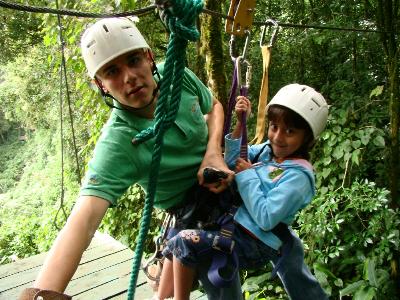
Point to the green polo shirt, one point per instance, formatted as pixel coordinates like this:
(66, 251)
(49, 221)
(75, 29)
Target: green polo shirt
(117, 163)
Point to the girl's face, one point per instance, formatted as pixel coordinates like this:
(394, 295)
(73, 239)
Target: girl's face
(284, 140)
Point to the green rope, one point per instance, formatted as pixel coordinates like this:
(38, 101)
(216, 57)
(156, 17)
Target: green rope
(181, 23)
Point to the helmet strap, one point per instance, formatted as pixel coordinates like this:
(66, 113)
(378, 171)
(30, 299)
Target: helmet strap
(106, 95)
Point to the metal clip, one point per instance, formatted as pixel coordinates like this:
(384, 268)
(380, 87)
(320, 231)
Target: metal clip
(241, 11)
(157, 256)
(232, 44)
(274, 33)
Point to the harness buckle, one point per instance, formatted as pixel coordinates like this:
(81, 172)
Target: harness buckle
(223, 243)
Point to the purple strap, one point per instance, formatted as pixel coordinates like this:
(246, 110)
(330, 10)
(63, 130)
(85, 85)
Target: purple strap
(223, 246)
(243, 144)
(231, 102)
(219, 261)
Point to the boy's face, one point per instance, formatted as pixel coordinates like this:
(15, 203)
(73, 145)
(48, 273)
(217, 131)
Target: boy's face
(284, 140)
(128, 78)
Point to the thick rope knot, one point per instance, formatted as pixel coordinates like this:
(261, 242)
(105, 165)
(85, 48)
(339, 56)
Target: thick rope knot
(177, 27)
(181, 18)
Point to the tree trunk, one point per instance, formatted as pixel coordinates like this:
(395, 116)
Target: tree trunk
(387, 16)
(212, 50)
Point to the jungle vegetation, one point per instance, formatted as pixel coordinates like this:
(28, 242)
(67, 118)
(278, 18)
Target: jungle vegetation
(351, 229)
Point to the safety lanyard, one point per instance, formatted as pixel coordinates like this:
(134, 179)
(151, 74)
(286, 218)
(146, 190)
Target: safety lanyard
(243, 91)
(263, 97)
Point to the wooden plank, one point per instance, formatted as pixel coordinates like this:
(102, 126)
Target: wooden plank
(116, 289)
(103, 273)
(90, 266)
(37, 260)
(91, 281)
(102, 253)
(92, 255)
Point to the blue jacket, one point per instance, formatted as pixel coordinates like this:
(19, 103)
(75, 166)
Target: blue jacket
(272, 192)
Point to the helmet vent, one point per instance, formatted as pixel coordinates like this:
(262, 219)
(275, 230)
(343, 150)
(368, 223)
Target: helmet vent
(303, 88)
(90, 44)
(316, 102)
(126, 27)
(105, 28)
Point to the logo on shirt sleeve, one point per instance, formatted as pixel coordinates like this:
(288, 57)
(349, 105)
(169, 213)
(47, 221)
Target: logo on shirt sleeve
(93, 180)
(275, 173)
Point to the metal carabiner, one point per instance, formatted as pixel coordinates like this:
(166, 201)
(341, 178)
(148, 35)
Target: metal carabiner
(232, 44)
(274, 33)
(241, 61)
(246, 44)
(248, 72)
(157, 256)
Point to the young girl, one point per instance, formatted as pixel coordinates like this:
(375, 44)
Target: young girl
(278, 183)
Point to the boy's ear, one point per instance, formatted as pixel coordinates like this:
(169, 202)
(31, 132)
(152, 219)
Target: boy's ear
(100, 85)
(150, 57)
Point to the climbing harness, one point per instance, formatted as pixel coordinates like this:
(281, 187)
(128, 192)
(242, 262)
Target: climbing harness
(180, 19)
(224, 245)
(263, 98)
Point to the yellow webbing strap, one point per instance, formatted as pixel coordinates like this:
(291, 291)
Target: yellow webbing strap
(262, 101)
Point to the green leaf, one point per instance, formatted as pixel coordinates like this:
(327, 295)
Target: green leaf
(338, 282)
(327, 160)
(366, 293)
(337, 129)
(369, 269)
(355, 156)
(376, 91)
(326, 172)
(356, 144)
(365, 138)
(379, 141)
(352, 288)
(338, 152)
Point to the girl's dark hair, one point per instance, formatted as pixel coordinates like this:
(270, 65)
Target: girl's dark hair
(292, 119)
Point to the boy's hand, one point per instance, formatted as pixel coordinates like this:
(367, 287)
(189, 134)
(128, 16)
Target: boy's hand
(35, 293)
(242, 105)
(216, 180)
(242, 164)
(216, 161)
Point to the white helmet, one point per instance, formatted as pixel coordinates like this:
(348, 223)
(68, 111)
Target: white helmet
(108, 39)
(305, 101)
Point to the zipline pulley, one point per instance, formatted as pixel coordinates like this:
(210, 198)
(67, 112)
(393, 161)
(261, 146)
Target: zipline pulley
(240, 17)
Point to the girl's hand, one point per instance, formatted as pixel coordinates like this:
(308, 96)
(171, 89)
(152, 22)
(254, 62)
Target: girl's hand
(242, 105)
(242, 164)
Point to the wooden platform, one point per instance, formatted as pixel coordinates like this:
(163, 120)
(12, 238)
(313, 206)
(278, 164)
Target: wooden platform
(103, 273)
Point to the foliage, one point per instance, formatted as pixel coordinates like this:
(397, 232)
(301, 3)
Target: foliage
(257, 285)
(28, 90)
(123, 221)
(328, 229)
(350, 233)
(12, 164)
(347, 150)
(18, 36)
(29, 207)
